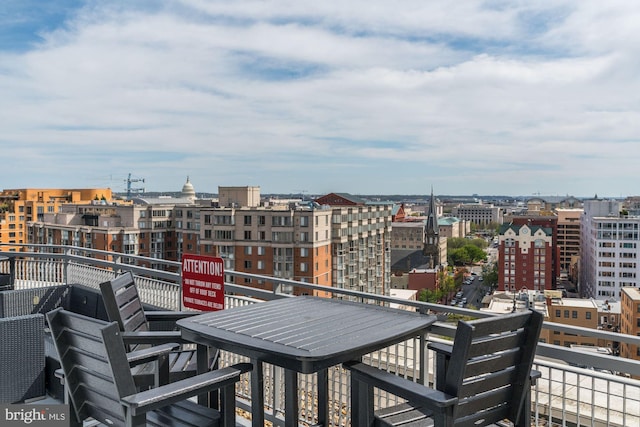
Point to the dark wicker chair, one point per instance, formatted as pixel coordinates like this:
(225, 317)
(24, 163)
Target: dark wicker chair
(22, 359)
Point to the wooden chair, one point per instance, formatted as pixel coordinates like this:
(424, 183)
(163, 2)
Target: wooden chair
(100, 385)
(484, 378)
(123, 305)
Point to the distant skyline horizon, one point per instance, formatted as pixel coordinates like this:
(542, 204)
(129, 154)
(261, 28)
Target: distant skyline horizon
(363, 96)
(424, 195)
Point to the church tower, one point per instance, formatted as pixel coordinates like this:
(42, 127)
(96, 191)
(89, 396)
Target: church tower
(431, 241)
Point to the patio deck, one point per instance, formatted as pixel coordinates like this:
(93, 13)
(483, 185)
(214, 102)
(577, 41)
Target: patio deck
(566, 394)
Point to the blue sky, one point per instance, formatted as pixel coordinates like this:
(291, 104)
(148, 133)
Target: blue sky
(493, 97)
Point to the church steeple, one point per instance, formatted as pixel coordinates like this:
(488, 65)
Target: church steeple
(431, 243)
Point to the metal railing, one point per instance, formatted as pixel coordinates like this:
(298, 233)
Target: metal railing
(605, 394)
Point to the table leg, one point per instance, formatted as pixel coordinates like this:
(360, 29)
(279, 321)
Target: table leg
(202, 360)
(257, 394)
(290, 398)
(323, 397)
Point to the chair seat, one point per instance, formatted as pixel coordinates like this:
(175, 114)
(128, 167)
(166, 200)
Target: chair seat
(185, 413)
(405, 415)
(182, 364)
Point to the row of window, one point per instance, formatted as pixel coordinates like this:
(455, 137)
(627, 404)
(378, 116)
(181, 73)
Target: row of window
(625, 255)
(624, 245)
(574, 314)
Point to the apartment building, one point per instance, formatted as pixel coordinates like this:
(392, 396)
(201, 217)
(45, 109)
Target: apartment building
(525, 258)
(630, 320)
(345, 245)
(568, 239)
(95, 225)
(361, 243)
(288, 242)
(546, 220)
(20, 206)
(608, 250)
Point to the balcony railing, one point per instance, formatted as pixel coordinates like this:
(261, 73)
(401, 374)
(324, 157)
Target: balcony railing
(607, 393)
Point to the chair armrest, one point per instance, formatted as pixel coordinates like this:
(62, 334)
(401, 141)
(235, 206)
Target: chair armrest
(440, 348)
(434, 399)
(153, 337)
(168, 316)
(155, 398)
(150, 354)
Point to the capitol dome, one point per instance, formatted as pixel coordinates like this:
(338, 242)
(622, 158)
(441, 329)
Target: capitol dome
(188, 191)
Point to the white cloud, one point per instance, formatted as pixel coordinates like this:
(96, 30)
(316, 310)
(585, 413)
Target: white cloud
(466, 95)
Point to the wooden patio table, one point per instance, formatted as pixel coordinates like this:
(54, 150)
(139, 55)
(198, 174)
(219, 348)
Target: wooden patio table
(302, 335)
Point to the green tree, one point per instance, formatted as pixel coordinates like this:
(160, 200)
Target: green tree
(490, 275)
(456, 243)
(458, 257)
(480, 243)
(475, 253)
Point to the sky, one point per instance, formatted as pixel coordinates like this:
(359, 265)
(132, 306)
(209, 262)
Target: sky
(509, 97)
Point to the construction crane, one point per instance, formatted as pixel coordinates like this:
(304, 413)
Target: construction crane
(301, 192)
(130, 190)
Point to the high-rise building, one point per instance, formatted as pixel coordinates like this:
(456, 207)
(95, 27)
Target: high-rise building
(344, 245)
(361, 243)
(547, 221)
(20, 206)
(609, 250)
(525, 258)
(568, 238)
(288, 242)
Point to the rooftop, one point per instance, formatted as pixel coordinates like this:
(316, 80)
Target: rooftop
(602, 390)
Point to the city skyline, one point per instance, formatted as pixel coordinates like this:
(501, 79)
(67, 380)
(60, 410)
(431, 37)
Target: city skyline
(495, 97)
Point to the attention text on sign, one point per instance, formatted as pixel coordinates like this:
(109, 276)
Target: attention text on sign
(202, 282)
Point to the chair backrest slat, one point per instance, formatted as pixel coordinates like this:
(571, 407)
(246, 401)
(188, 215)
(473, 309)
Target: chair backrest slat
(495, 343)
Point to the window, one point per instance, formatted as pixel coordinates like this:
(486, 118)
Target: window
(588, 315)
(304, 267)
(247, 250)
(304, 252)
(247, 220)
(247, 234)
(247, 264)
(574, 314)
(558, 313)
(261, 250)
(260, 265)
(304, 221)
(566, 314)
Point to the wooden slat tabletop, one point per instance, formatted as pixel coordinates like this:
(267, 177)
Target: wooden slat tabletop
(304, 334)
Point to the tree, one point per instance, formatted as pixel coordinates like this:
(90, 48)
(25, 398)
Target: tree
(480, 243)
(490, 275)
(458, 257)
(456, 243)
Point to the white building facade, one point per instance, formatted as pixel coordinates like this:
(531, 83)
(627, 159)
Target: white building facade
(609, 250)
